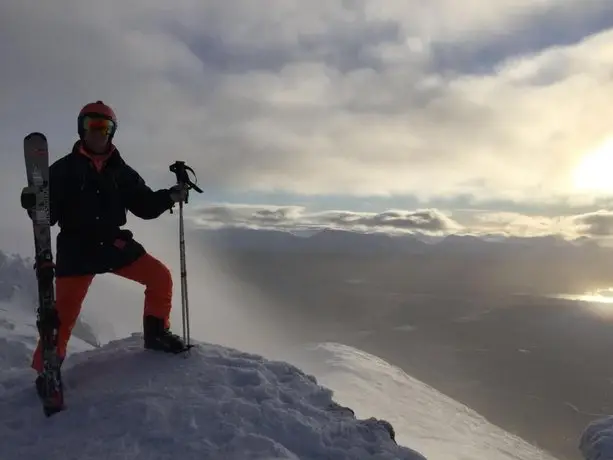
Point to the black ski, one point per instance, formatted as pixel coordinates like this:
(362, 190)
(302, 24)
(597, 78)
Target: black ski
(36, 199)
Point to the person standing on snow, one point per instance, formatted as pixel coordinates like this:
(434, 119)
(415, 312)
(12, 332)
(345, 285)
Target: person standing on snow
(91, 190)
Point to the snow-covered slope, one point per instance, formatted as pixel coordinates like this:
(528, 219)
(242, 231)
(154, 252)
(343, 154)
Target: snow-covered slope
(218, 403)
(163, 395)
(437, 426)
(127, 403)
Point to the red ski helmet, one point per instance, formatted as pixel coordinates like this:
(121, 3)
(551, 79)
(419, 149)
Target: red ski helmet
(96, 109)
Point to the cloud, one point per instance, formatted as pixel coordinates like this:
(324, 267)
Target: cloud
(349, 97)
(428, 220)
(517, 224)
(299, 218)
(596, 224)
(356, 98)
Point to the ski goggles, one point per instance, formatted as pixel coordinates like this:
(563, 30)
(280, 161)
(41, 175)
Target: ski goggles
(104, 125)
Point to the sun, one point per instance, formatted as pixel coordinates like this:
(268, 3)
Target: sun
(594, 173)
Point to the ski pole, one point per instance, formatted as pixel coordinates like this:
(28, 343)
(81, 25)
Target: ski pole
(180, 170)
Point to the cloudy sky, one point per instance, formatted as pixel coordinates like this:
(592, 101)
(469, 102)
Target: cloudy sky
(401, 114)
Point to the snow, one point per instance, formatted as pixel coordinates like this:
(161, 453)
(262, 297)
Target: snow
(596, 441)
(423, 418)
(130, 403)
(125, 402)
(18, 336)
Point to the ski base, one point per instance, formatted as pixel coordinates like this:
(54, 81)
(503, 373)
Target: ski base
(36, 199)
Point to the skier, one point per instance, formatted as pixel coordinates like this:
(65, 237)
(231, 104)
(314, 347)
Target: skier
(91, 190)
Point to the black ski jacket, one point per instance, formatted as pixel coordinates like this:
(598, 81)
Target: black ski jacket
(89, 202)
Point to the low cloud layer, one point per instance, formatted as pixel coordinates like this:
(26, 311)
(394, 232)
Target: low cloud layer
(512, 223)
(296, 218)
(597, 225)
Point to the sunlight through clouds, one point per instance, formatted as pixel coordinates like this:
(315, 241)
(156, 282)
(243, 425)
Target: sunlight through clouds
(593, 172)
(435, 101)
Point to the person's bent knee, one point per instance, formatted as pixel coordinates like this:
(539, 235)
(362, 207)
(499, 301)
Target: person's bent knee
(163, 275)
(160, 278)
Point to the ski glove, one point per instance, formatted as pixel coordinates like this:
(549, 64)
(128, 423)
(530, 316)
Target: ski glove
(28, 200)
(178, 193)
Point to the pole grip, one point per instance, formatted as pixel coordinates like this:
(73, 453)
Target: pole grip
(180, 169)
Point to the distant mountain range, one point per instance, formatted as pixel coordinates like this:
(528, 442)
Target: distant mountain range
(343, 241)
(452, 264)
(18, 288)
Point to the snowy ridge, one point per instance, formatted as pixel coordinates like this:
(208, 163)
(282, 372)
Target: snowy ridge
(218, 403)
(438, 426)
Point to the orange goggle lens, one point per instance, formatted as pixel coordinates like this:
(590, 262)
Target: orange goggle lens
(104, 125)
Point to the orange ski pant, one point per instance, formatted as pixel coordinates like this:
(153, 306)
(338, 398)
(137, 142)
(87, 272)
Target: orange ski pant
(71, 291)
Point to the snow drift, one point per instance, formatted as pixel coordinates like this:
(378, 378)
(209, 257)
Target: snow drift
(597, 440)
(129, 403)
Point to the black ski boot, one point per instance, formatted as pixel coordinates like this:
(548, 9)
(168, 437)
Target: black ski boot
(40, 381)
(51, 393)
(159, 338)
